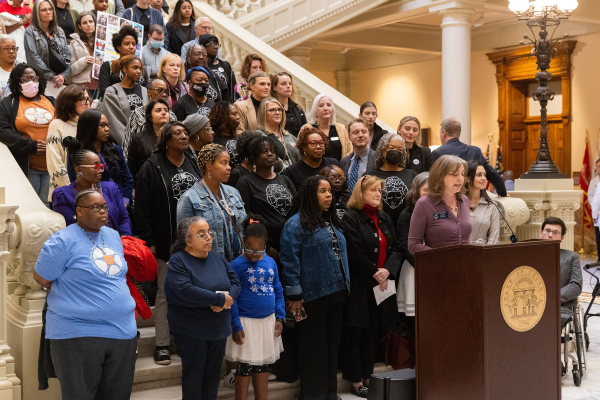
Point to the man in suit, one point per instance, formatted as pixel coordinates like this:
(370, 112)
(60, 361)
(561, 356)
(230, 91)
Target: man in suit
(451, 145)
(362, 158)
(571, 279)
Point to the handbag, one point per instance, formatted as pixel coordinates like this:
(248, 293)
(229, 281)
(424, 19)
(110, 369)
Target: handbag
(56, 62)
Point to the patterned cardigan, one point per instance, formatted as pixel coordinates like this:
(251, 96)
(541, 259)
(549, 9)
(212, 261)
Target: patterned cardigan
(56, 154)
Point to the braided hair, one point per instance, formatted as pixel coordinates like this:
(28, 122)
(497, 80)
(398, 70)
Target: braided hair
(255, 148)
(76, 152)
(81, 195)
(183, 233)
(242, 144)
(307, 204)
(254, 226)
(208, 155)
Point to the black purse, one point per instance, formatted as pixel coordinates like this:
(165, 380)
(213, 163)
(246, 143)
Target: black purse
(56, 62)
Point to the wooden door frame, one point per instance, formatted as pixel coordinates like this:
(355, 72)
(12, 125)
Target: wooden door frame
(518, 64)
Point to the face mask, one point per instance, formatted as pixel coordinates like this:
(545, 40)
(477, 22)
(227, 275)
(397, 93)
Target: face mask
(393, 157)
(200, 88)
(30, 89)
(156, 44)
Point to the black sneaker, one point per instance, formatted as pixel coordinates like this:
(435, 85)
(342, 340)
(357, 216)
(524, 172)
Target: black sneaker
(162, 356)
(362, 391)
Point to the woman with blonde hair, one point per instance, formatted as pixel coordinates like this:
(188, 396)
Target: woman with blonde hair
(172, 70)
(442, 217)
(419, 158)
(322, 116)
(282, 88)
(270, 120)
(373, 260)
(252, 63)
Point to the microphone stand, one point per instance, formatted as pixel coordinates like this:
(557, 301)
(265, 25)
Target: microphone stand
(513, 238)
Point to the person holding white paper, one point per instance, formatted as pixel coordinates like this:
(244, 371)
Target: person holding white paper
(374, 261)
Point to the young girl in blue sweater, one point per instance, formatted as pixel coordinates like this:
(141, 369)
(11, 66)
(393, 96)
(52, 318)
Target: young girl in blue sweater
(258, 315)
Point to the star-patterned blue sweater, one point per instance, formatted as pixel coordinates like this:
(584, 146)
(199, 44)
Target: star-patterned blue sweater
(261, 293)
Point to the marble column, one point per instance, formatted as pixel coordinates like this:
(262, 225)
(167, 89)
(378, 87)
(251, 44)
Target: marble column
(344, 79)
(456, 67)
(300, 55)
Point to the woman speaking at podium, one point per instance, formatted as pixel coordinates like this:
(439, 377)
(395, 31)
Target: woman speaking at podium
(442, 218)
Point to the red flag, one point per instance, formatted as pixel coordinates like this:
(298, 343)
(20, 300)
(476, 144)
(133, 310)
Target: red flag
(584, 183)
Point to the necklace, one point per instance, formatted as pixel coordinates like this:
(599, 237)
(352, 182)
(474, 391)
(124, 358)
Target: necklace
(62, 16)
(94, 243)
(198, 105)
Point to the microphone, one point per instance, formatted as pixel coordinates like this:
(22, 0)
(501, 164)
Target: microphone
(513, 238)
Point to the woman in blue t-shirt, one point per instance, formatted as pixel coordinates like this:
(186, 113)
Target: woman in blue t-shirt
(90, 320)
(258, 314)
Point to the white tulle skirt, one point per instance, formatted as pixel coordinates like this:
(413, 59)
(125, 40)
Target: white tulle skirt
(406, 290)
(260, 344)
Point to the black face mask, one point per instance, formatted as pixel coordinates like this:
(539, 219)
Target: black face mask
(200, 88)
(393, 157)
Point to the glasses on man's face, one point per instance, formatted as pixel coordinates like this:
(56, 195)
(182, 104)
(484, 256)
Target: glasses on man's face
(207, 236)
(337, 178)
(254, 252)
(25, 79)
(85, 100)
(104, 125)
(553, 233)
(315, 143)
(12, 49)
(97, 207)
(275, 110)
(97, 167)
(213, 44)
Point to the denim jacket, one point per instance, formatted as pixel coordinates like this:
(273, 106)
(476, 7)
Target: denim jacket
(38, 55)
(196, 202)
(310, 266)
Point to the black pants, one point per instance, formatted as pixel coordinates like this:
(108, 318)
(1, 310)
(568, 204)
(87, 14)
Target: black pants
(358, 352)
(597, 230)
(94, 368)
(319, 337)
(201, 361)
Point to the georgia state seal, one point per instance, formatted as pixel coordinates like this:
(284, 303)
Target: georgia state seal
(523, 298)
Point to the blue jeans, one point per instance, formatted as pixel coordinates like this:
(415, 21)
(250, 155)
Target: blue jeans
(40, 180)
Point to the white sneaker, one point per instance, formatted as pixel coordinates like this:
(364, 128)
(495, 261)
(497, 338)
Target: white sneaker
(229, 379)
(272, 376)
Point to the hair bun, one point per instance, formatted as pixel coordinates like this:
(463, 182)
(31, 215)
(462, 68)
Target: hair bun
(71, 144)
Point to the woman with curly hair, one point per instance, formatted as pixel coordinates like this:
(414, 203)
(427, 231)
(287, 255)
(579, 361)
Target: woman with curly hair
(312, 144)
(390, 159)
(125, 43)
(224, 119)
(242, 143)
(221, 205)
(316, 281)
(252, 63)
(122, 98)
(162, 181)
(26, 137)
(70, 103)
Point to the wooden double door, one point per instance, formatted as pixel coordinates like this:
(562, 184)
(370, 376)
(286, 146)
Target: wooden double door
(519, 131)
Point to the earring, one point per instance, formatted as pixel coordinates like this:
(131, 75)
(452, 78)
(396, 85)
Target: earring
(80, 174)
(198, 139)
(254, 168)
(209, 175)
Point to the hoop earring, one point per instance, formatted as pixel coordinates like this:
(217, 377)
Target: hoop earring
(209, 175)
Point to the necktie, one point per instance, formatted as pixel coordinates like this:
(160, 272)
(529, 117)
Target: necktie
(353, 177)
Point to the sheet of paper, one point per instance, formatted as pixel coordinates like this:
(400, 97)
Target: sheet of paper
(381, 296)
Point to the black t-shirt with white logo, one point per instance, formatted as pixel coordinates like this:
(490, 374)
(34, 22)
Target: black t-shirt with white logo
(394, 193)
(270, 198)
(186, 105)
(230, 145)
(134, 97)
(181, 178)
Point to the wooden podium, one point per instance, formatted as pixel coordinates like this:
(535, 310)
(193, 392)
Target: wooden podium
(465, 303)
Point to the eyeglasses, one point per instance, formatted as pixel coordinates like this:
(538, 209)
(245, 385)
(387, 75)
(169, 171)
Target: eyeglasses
(97, 167)
(337, 178)
(553, 233)
(104, 125)
(25, 79)
(255, 252)
(207, 128)
(97, 208)
(316, 143)
(85, 100)
(275, 110)
(159, 90)
(207, 236)
(10, 49)
(213, 44)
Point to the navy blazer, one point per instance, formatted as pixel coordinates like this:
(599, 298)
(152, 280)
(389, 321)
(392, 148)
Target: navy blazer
(346, 161)
(176, 37)
(455, 147)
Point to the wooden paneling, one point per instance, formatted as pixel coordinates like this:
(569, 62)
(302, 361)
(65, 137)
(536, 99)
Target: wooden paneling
(519, 135)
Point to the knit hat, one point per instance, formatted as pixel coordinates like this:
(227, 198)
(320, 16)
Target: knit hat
(207, 37)
(195, 122)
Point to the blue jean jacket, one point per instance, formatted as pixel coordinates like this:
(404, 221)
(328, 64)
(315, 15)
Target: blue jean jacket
(38, 54)
(196, 202)
(310, 266)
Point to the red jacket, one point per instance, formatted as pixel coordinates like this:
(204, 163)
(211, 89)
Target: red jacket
(141, 265)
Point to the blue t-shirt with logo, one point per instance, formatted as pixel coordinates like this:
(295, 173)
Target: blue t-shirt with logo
(89, 294)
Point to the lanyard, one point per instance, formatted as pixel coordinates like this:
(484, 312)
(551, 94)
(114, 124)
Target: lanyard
(226, 213)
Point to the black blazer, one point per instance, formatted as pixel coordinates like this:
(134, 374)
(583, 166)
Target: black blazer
(346, 161)
(363, 253)
(177, 39)
(378, 133)
(420, 159)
